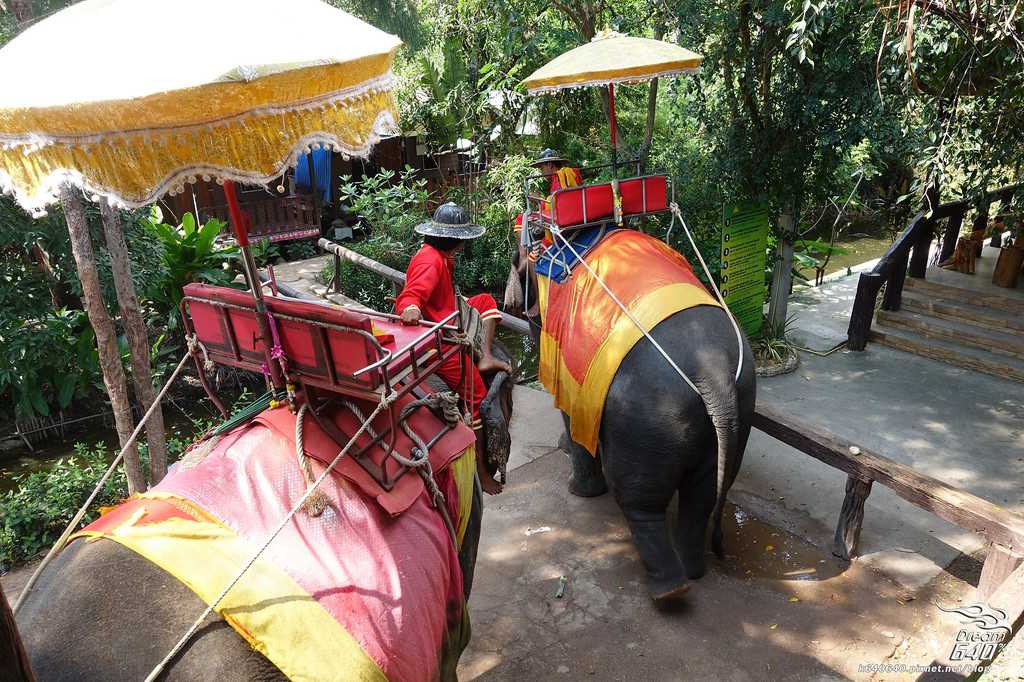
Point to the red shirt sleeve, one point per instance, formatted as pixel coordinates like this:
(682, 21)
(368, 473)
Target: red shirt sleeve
(420, 281)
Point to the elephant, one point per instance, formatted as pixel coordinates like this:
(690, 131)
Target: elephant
(102, 612)
(658, 439)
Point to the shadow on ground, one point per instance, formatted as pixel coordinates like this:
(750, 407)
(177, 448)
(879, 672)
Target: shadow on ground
(778, 608)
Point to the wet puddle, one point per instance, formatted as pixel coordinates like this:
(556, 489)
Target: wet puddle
(755, 549)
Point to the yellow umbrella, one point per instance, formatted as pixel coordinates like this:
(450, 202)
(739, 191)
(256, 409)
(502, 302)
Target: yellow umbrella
(131, 99)
(612, 58)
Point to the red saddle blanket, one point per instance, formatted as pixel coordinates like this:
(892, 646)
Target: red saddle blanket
(369, 590)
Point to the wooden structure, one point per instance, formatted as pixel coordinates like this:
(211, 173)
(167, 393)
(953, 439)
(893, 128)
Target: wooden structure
(278, 219)
(908, 257)
(281, 217)
(1003, 529)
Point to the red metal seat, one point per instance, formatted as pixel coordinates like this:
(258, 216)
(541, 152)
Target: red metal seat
(590, 204)
(336, 349)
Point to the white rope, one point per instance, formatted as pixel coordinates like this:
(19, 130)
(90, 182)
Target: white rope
(676, 213)
(63, 539)
(384, 403)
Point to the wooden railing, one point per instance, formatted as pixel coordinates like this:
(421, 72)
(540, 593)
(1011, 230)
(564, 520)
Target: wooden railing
(396, 278)
(908, 257)
(276, 219)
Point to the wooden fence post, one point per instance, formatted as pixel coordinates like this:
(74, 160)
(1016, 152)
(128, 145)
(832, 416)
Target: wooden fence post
(919, 255)
(893, 298)
(863, 310)
(1000, 562)
(851, 518)
(952, 233)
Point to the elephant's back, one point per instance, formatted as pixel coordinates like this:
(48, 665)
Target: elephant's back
(102, 612)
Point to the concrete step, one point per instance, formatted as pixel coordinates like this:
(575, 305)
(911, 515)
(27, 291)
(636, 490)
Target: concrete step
(1006, 304)
(958, 332)
(950, 353)
(917, 301)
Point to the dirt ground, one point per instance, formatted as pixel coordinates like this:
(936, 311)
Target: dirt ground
(777, 609)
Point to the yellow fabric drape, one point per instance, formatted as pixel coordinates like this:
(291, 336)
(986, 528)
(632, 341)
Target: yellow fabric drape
(266, 607)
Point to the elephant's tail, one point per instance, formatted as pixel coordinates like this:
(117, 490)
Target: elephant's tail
(725, 417)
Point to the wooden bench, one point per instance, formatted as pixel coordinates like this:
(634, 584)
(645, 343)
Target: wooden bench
(1003, 529)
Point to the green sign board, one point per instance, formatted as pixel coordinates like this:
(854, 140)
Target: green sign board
(744, 240)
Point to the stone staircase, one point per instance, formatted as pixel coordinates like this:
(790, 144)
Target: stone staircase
(975, 330)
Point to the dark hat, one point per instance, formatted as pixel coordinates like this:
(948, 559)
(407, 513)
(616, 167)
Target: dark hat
(549, 156)
(452, 221)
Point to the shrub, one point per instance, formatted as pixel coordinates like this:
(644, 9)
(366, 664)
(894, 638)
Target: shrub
(33, 515)
(35, 359)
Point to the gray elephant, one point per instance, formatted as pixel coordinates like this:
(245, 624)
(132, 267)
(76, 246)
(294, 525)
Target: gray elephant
(658, 438)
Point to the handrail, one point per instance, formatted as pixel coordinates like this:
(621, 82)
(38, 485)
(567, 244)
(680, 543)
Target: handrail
(908, 256)
(891, 270)
(339, 251)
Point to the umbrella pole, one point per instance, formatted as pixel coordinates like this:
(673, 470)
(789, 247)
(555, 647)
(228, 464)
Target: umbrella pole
(252, 279)
(613, 127)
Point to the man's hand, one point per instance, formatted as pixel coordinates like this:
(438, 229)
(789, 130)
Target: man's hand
(411, 315)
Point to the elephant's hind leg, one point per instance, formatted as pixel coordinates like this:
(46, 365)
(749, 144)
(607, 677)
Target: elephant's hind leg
(644, 501)
(696, 503)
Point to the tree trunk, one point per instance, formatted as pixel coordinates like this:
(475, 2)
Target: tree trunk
(22, 11)
(652, 105)
(106, 336)
(782, 273)
(138, 340)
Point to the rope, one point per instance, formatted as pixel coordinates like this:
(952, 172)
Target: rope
(676, 213)
(384, 403)
(448, 403)
(316, 503)
(63, 539)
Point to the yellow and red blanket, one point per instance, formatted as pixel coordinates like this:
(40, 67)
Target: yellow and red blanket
(369, 590)
(586, 335)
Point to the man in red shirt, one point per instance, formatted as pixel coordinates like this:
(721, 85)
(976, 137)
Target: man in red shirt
(553, 165)
(429, 294)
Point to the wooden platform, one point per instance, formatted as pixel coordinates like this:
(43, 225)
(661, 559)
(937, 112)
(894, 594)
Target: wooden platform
(977, 329)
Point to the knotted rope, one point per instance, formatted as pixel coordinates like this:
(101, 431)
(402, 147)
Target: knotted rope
(447, 403)
(316, 501)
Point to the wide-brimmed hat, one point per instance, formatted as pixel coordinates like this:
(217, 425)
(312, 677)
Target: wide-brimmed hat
(549, 156)
(452, 221)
